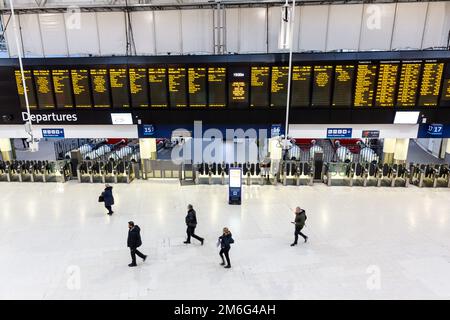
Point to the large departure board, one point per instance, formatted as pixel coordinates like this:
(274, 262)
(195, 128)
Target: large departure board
(81, 90)
(138, 87)
(343, 83)
(278, 86)
(157, 79)
(408, 84)
(321, 93)
(217, 86)
(445, 95)
(387, 84)
(177, 87)
(197, 87)
(259, 86)
(29, 83)
(44, 89)
(238, 86)
(100, 88)
(431, 83)
(62, 87)
(118, 78)
(301, 86)
(365, 85)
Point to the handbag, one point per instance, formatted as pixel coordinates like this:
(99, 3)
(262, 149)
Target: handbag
(101, 199)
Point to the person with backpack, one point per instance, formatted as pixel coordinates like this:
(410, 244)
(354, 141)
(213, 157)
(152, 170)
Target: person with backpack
(225, 241)
(107, 198)
(133, 242)
(191, 223)
(300, 218)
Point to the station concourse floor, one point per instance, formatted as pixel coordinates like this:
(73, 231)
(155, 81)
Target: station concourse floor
(56, 242)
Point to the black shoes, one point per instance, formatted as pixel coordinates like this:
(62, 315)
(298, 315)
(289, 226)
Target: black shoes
(293, 244)
(203, 240)
(132, 265)
(222, 264)
(186, 242)
(306, 239)
(144, 258)
(227, 267)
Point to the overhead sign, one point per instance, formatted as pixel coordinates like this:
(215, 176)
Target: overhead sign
(374, 134)
(275, 130)
(148, 130)
(333, 133)
(434, 130)
(53, 133)
(121, 118)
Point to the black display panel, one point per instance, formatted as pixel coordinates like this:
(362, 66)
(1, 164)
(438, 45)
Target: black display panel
(408, 84)
(301, 86)
(445, 94)
(365, 85)
(343, 84)
(177, 87)
(259, 86)
(100, 88)
(29, 83)
(157, 79)
(44, 88)
(430, 84)
(197, 87)
(387, 84)
(80, 86)
(138, 87)
(278, 86)
(63, 88)
(321, 91)
(217, 86)
(118, 78)
(238, 86)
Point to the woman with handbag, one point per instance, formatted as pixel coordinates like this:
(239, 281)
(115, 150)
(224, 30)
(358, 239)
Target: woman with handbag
(225, 241)
(107, 198)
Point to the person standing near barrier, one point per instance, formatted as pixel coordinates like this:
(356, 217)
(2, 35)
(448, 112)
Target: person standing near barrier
(225, 241)
(300, 218)
(108, 198)
(133, 242)
(191, 223)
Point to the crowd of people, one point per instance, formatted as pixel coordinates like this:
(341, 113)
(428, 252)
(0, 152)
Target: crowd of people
(224, 241)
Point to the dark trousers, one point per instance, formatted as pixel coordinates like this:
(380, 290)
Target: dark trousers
(134, 252)
(109, 208)
(297, 232)
(224, 251)
(190, 233)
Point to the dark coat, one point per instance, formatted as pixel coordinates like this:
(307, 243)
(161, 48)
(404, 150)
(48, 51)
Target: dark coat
(225, 241)
(108, 196)
(191, 218)
(300, 219)
(134, 237)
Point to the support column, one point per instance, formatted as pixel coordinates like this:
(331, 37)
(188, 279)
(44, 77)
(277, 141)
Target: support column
(389, 150)
(447, 147)
(147, 148)
(6, 149)
(401, 151)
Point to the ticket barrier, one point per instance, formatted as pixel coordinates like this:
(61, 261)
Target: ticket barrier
(358, 174)
(337, 173)
(84, 172)
(384, 175)
(400, 175)
(212, 173)
(109, 172)
(57, 171)
(4, 171)
(297, 173)
(443, 177)
(98, 172)
(126, 171)
(370, 176)
(15, 171)
(428, 175)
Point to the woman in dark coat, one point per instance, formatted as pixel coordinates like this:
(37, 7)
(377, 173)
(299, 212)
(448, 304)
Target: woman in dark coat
(108, 198)
(225, 241)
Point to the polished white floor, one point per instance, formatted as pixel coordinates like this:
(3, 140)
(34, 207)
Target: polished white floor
(56, 242)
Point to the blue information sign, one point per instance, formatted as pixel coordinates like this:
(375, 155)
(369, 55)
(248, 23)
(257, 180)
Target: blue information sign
(339, 133)
(148, 130)
(53, 133)
(275, 130)
(434, 130)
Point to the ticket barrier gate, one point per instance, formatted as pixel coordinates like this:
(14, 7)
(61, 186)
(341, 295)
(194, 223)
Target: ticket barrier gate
(35, 171)
(433, 176)
(4, 171)
(57, 171)
(212, 173)
(443, 177)
(400, 175)
(297, 173)
(370, 176)
(84, 172)
(384, 175)
(109, 172)
(126, 171)
(357, 174)
(98, 172)
(337, 173)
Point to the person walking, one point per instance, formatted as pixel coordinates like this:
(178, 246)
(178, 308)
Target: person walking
(225, 241)
(191, 223)
(133, 242)
(300, 218)
(108, 198)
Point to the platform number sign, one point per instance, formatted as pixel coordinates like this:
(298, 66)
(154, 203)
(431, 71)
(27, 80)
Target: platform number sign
(275, 130)
(148, 130)
(53, 133)
(435, 129)
(339, 133)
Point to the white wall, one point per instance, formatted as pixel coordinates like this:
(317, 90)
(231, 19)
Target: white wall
(361, 27)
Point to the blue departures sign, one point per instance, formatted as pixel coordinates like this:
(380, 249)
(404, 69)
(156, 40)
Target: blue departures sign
(53, 133)
(339, 133)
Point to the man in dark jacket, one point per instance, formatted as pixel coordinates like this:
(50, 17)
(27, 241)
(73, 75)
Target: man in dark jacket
(108, 198)
(300, 218)
(191, 223)
(133, 242)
